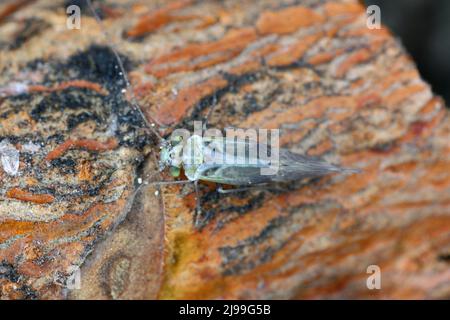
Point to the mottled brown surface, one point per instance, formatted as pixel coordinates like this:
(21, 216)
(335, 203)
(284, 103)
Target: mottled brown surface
(310, 68)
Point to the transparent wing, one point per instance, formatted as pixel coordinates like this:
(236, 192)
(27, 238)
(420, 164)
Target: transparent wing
(224, 164)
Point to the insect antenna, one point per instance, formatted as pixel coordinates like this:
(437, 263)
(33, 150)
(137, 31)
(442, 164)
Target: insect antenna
(134, 103)
(147, 178)
(209, 113)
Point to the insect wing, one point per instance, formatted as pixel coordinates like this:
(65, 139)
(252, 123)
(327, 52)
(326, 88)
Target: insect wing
(225, 164)
(231, 161)
(234, 175)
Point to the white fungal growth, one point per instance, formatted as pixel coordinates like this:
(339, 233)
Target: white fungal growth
(113, 126)
(13, 89)
(9, 156)
(31, 147)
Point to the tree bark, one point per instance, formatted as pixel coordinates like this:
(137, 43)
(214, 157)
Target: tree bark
(311, 68)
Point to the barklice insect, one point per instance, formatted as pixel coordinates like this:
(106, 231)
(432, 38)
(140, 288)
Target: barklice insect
(238, 162)
(217, 159)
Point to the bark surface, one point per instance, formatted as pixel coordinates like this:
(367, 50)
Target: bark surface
(311, 68)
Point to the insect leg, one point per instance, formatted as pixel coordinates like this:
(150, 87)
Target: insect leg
(160, 183)
(198, 205)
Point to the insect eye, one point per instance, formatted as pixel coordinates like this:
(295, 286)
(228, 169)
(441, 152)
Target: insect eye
(174, 171)
(176, 140)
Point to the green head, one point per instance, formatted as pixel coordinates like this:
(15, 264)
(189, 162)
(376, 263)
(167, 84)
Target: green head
(170, 156)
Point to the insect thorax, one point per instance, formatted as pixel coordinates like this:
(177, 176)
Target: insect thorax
(192, 156)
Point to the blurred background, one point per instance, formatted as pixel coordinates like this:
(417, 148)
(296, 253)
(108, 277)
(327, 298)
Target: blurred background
(423, 26)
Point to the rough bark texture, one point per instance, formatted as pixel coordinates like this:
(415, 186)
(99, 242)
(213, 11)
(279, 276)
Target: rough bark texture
(310, 68)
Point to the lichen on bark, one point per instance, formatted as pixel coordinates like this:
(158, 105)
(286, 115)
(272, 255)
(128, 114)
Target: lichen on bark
(334, 88)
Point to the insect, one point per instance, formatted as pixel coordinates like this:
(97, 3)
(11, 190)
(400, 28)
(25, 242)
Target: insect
(194, 156)
(217, 160)
(208, 158)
